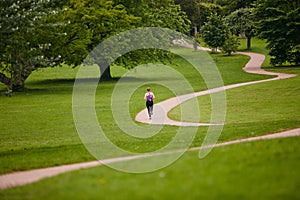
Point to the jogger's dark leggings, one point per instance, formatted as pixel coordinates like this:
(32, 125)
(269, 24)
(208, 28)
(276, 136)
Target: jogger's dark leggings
(149, 105)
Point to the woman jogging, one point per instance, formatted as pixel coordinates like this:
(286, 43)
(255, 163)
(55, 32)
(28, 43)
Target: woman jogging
(149, 97)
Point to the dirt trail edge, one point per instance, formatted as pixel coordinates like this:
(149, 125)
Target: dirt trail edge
(253, 66)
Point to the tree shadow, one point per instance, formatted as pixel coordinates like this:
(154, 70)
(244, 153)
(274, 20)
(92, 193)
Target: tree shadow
(65, 85)
(71, 81)
(285, 67)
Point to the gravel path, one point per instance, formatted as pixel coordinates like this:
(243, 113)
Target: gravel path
(253, 66)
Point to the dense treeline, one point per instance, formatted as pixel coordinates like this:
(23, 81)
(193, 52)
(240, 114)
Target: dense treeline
(277, 21)
(41, 33)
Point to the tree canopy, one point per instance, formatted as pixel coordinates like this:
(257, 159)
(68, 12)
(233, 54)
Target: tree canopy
(215, 32)
(42, 33)
(24, 39)
(233, 5)
(278, 23)
(199, 12)
(164, 14)
(242, 21)
(97, 20)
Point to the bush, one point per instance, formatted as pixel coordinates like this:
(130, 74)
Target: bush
(230, 45)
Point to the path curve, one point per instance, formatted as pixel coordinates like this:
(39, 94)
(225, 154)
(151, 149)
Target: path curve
(161, 115)
(253, 66)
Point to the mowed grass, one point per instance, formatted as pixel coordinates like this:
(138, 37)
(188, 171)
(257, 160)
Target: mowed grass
(37, 130)
(261, 169)
(37, 127)
(266, 106)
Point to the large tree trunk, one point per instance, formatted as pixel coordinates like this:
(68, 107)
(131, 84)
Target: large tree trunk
(104, 71)
(18, 85)
(18, 82)
(248, 42)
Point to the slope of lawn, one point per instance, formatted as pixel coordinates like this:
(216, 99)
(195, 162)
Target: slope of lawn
(37, 130)
(37, 127)
(273, 104)
(256, 170)
(267, 107)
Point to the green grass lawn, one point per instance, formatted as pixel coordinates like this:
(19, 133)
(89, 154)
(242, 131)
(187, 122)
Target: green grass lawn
(257, 46)
(256, 104)
(37, 130)
(37, 127)
(256, 170)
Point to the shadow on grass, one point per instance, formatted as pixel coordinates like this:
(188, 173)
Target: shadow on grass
(285, 67)
(66, 85)
(58, 82)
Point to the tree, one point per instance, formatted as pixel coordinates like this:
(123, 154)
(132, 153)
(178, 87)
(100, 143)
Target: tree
(215, 32)
(190, 7)
(164, 14)
(233, 5)
(199, 12)
(33, 35)
(230, 45)
(101, 19)
(278, 23)
(242, 21)
(21, 50)
(42, 33)
(206, 10)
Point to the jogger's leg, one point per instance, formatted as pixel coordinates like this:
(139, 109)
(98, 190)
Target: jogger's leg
(151, 110)
(149, 105)
(148, 108)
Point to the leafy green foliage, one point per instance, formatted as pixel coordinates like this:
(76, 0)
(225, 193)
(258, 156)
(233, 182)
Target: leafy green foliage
(242, 21)
(231, 44)
(279, 25)
(96, 19)
(190, 7)
(164, 14)
(23, 46)
(101, 18)
(206, 10)
(199, 11)
(42, 33)
(215, 32)
(230, 6)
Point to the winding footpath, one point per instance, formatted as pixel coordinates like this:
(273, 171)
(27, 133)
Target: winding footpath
(161, 115)
(253, 66)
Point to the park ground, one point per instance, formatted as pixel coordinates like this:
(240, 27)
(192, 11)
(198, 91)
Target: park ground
(37, 131)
